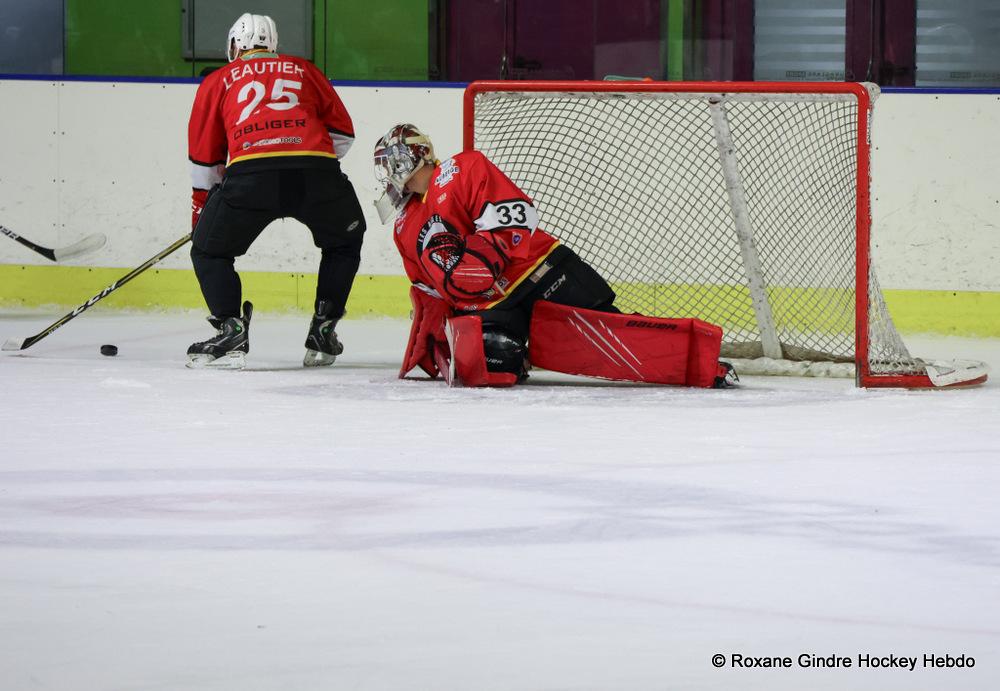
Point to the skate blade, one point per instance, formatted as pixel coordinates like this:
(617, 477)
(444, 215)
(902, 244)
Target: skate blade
(316, 358)
(235, 360)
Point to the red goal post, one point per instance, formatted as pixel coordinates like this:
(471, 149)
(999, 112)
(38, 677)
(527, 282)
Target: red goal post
(746, 204)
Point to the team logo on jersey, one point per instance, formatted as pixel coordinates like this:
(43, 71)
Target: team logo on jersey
(435, 226)
(448, 171)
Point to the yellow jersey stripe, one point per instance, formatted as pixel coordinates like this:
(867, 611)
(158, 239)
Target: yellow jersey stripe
(273, 154)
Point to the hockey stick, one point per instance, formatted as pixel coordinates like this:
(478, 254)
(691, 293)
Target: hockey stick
(22, 343)
(88, 244)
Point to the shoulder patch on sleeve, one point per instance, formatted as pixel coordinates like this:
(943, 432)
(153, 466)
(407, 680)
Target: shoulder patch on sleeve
(511, 213)
(448, 170)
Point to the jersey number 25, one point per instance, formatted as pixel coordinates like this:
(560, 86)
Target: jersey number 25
(255, 91)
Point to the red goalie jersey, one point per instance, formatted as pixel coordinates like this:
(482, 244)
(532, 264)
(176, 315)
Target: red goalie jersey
(266, 106)
(473, 237)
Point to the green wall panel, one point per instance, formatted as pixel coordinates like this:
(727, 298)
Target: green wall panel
(353, 40)
(126, 38)
(374, 40)
(138, 38)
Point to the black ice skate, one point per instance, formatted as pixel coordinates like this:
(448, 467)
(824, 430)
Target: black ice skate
(726, 377)
(228, 350)
(322, 345)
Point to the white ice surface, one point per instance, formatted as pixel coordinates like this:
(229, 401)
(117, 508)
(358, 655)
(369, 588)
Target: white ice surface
(278, 528)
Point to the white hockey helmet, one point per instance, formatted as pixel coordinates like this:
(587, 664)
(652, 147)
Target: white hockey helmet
(400, 153)
(252, 31)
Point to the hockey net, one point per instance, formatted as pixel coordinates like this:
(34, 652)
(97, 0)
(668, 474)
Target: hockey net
(743, 204)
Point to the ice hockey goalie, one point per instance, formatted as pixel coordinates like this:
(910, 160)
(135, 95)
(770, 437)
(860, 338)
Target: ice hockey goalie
(492, 291)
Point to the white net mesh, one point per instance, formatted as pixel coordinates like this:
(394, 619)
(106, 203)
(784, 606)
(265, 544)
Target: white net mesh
(636, 184)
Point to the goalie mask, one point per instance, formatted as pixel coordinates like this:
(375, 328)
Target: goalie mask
(398, 155)
(252, 31)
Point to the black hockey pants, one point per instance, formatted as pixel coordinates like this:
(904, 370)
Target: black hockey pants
(239, 209)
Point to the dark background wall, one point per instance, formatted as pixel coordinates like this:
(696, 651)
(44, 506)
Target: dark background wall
(891, 42)
(31, 40)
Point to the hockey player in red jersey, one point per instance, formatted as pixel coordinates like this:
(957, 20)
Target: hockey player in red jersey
(265, 138)
(492, 289)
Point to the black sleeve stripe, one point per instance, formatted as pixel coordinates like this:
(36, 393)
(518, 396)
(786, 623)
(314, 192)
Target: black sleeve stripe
(207, 165)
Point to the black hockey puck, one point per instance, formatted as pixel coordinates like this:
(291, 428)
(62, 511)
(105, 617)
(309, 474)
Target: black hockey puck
(109, 350)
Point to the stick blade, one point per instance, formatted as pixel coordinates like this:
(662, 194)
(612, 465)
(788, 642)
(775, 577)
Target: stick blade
(13, 344)
(88, 244)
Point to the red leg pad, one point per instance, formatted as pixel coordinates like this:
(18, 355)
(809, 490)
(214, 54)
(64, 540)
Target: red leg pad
(468, 360)
(427, 344)
(627, 347)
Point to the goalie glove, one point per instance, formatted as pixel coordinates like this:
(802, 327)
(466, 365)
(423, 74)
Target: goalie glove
(462, 268)
(485, 258)
(198, 199)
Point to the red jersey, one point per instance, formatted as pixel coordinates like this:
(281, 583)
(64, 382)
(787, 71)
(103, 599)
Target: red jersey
(467, 195)
(265, 106)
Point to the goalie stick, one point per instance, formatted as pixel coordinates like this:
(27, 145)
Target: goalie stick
(88, 244)
(22, 343)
